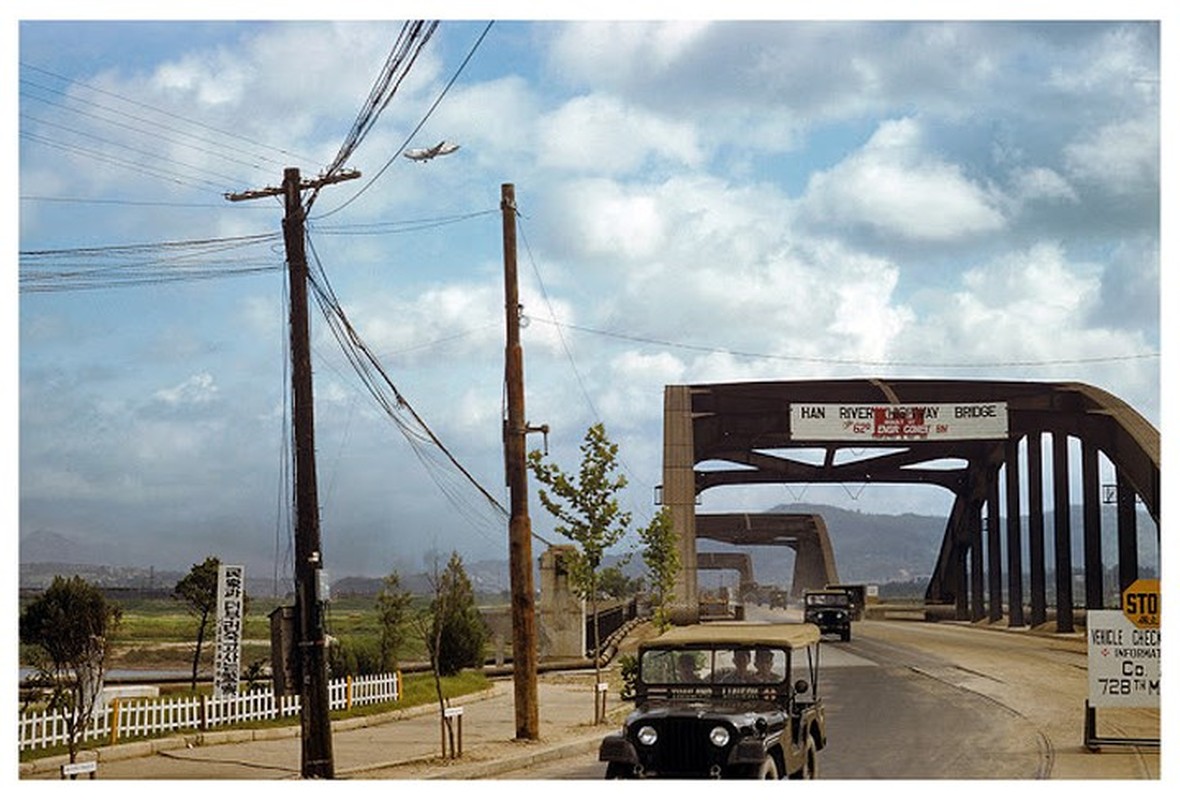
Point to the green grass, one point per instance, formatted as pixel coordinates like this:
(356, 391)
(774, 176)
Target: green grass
(417, 690)
(148, 627)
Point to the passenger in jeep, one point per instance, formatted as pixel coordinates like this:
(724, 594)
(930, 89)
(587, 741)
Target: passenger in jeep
(763, 667)
(741, 668)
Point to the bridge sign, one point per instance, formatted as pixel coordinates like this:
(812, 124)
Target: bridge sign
(1141, 603)
(859, 422)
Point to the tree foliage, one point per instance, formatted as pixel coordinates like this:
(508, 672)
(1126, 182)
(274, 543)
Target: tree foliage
(614, 583)
(67, 628)
(661, 555)
(198, 590)
(393, 610)
(459, 629)
(453, 630)
(586, 507)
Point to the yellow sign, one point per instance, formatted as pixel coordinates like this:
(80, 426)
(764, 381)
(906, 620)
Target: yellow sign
(1141, 603)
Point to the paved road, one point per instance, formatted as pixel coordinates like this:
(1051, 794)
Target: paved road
(905, 700)
(952, 702)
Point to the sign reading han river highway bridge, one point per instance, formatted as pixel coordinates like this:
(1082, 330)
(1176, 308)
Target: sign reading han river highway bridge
(884, 422)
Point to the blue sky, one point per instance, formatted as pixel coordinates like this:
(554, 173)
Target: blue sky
(700, 201)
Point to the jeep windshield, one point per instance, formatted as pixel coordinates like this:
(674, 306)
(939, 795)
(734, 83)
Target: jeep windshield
(702, 667)
(828, 599)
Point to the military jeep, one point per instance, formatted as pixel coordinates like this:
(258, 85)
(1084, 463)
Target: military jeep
(723, 700)
(830, 611)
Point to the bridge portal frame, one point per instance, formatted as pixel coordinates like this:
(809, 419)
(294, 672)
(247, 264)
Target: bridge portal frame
(748, 425)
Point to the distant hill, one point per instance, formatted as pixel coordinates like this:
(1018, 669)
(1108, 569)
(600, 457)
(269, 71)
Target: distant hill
(869, 548)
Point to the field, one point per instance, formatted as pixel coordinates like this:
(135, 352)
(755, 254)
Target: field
(161, 634)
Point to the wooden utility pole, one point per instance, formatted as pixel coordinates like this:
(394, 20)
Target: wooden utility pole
(520, 559)
(312, 650)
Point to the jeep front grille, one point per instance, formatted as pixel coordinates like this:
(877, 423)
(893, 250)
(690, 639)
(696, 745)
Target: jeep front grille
(682, 747)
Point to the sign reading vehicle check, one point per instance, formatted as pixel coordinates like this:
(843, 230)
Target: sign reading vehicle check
(886, 423)
(1123, 647)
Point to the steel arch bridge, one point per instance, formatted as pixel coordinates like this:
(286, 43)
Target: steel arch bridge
(968, 437)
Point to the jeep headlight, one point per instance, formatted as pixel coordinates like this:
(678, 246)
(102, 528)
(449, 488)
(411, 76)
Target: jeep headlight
(647, 736)
(719, 736)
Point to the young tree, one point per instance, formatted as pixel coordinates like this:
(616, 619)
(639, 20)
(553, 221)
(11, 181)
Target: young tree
(587, 510)
(393, 612)
(452, 628)
(661, 554)
(68, 626)
(461, 631)
(198, 590)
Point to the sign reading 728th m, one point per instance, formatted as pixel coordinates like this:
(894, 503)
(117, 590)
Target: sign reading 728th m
(1123, 660)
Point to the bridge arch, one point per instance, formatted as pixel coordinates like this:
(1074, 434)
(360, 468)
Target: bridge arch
(1024, 428)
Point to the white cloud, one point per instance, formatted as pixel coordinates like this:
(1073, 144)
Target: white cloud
(198, 389)
(1041, 183)
(1122, 157)
(600, 133)
(618, 51)
(892, 187)
(1033, 305)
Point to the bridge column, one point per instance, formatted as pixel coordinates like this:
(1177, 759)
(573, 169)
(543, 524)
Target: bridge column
(1063, 559)
(975, 529)
(1015, 567)
(680, 498)
(1036, 531)
(1128, 534)
(995, 570)
(815, 565)
(1092, 526)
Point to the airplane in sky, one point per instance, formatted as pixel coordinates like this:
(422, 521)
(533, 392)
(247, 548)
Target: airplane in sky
(426, 153)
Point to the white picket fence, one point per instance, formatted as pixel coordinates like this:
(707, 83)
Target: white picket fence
(123, 718)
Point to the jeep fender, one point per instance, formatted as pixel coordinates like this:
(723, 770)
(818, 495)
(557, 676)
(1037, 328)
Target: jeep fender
(616, 748)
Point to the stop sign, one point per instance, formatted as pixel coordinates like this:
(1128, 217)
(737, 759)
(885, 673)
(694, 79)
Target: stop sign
(1141, 603)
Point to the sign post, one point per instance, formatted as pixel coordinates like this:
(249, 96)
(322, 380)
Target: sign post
(227, 659)
(1123, 659)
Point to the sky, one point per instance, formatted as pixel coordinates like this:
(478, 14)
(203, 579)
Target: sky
(699, 201)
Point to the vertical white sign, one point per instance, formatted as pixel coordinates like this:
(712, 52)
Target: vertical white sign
(1124, 661)
(227, 660)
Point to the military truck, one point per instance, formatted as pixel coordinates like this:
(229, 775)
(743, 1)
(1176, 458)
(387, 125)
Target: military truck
(723, 700)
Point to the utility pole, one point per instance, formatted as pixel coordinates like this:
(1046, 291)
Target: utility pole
(312, 651)
(520, 559)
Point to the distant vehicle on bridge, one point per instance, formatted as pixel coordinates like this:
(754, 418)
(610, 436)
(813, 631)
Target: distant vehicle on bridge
(856, 595)
(830, 610)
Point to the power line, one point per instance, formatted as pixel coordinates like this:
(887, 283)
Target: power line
(847, 361)
(32, 198)
(417, 127)
(423, 441)
(413, 35)
(286, 154)
(402, 226)
(113, 266)
(98, 155)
